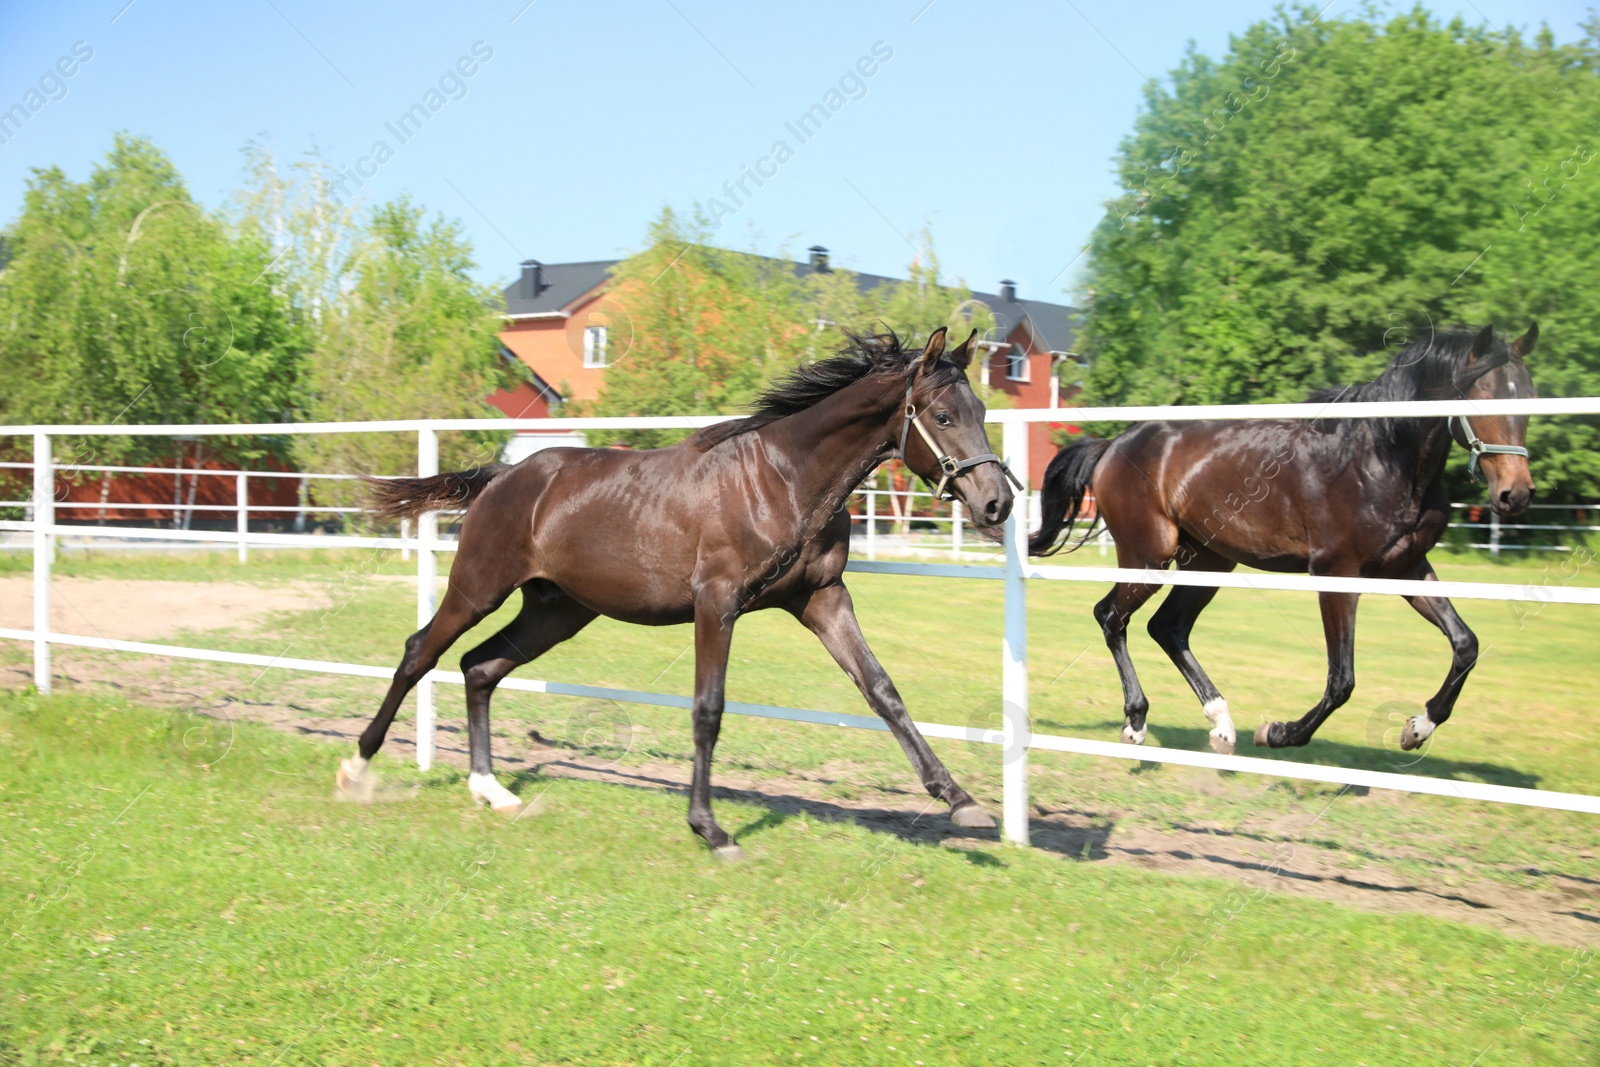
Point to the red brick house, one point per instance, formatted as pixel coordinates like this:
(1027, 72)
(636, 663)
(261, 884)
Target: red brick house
(559, 324)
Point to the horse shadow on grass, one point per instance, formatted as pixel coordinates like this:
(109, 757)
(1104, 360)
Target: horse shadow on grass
(1075, 835)
(1422, 762)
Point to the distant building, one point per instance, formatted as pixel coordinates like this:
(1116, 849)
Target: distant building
(556, 325)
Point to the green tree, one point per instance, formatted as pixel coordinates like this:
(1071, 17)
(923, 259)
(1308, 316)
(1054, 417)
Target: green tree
(410, 336)
(1298, 210)
(125, 301)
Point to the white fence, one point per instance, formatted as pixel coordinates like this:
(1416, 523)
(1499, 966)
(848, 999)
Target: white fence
(1014, 740)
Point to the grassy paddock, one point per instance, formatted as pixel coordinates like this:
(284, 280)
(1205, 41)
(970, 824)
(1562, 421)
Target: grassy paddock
(160, 911)
(1524, 719)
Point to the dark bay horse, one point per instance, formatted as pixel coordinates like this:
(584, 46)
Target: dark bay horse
(745, 515)
(1344, 497)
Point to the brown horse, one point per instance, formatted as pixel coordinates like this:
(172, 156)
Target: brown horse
(1344, 497)
(745, 515)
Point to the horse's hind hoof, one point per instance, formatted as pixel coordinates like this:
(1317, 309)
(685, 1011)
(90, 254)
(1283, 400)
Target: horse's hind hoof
(1263, 738)
(1130, 736)
(1223, 745)
(972, 817)
(729, 853)
(500, 800)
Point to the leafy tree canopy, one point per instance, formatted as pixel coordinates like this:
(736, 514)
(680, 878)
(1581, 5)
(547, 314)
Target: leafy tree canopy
(1300, 209)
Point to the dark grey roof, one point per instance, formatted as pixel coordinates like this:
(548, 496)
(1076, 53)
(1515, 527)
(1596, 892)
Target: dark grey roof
(561, 284)
(1054, 325)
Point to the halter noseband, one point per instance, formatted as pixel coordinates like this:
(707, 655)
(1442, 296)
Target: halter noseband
(1478, 447)
(953, 468)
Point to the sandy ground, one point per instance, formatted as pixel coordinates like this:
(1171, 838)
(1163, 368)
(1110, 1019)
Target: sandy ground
(148, 610)
(1558, 908)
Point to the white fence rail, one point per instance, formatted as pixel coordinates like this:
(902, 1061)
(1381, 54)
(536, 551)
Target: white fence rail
(1015, 739)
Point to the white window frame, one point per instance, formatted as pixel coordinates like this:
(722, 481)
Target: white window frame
(595, 341)
(1017, 357)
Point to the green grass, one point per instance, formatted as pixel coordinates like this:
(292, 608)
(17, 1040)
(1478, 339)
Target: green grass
(160, 910)
(1524, 719)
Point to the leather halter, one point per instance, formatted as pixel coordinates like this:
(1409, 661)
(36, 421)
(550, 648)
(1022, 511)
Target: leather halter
(1478, 447)
(953, 468)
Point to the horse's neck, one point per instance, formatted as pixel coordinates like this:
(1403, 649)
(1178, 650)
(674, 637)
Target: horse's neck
(1432, 451)
(835, 443)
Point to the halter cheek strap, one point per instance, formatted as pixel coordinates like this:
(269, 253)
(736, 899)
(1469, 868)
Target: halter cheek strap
(953, 468)
(1479, 448)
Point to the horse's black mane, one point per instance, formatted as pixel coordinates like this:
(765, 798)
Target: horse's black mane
(883, 354)
(1437, 367)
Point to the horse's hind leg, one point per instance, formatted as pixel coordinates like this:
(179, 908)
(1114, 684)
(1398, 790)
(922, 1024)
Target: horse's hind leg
(457, 614)
(1144, 538)
(1463, 657)
(1171, 625)
(538, 627)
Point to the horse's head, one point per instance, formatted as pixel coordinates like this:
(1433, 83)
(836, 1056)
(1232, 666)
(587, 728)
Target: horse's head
(1498, 443)
(942, 438)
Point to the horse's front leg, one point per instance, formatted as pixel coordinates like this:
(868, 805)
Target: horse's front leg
(1339, 628)
(829, 613)
(1463, 657)
(713, 636)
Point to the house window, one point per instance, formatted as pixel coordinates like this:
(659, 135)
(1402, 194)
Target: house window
(594, 346)
(1017, 364)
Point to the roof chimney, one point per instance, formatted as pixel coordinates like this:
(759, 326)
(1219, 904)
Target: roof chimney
(1008, 290)
(532, 279)
(819, 259)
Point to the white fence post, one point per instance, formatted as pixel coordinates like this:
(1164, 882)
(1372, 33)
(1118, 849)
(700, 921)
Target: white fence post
(1014, 653)
(242, 496)
(427, 569)
(1494, 532)
(44, 518)
(955, 530)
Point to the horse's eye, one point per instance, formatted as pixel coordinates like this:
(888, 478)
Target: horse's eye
(942, 419)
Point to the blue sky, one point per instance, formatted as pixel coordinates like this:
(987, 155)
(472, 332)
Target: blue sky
(993, 125)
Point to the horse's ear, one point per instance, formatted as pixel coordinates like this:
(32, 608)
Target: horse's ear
(1482, 343)
(961, 356)
(1524, 344)
(935, 348)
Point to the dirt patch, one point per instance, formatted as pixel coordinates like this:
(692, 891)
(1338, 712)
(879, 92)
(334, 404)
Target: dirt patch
(1562, 910)
(144, 610)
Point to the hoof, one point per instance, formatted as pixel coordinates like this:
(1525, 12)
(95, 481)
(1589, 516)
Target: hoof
(1263, 736)
(729, 853)
(500, 800)
(972, 817)
(352, 782)
(1415, 733)
(1130, 736)
(1223, 745)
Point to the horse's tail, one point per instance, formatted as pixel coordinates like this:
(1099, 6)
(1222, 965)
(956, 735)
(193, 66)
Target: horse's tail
(1066, 479)
(406, 498)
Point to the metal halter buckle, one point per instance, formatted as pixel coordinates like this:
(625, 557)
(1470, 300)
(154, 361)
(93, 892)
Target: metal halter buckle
(1477, 448)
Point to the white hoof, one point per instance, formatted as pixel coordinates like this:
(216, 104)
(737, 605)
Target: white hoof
(486, 790)
(1417, 729)
(1223, 736)
(352, 781)
(729, 853)
(1130, 736)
